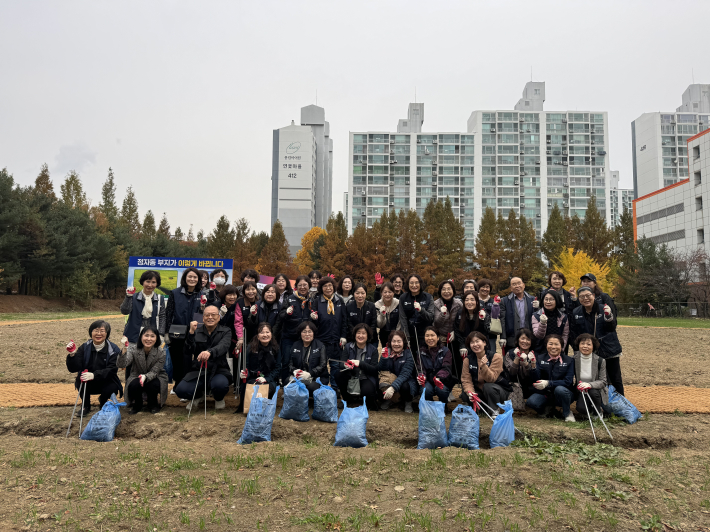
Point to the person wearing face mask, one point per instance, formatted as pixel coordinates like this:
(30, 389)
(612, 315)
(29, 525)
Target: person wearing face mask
(444, 311)
(397, 359)
(246, 276)
(435, 373)
(148, 375)
(590, 376)
(387, 313)
(414, 313)
(488, 302)
(95, 365)
(345, 288)
(359, 376)
(483, 374)
(557, 281)
(145, 308)
(358, 310)
(295, 310)
(520, 362)
(218, 279)
(246, 308)
(229, 296)
(328, 313)
(184, 302)
(206, 349)
(283, 285)
(600, 322)
(397, 281)
(262, 366)
(553, 378)
(308, 359)
(515, 312)
(550, 319)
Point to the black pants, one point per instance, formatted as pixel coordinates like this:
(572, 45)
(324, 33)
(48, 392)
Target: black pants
(367, 389)
(103, 389)
(613, 374)
(177, 348)
(583, 407)
(493, 394)
(334, 352)
(409, 390)
(150, 388)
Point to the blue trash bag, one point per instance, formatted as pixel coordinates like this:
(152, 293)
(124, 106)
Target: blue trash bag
(463, 430)
(295, 402)
(325, 403)
(503, 430)
(352, 426)
(103, 425)
(622, 407)
(260, 418)
(432, 425)
(168, 367)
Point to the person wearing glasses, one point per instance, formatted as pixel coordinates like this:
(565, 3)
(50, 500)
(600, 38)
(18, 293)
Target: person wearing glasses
(487, 302)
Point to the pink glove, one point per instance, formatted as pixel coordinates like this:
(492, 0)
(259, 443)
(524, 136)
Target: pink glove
(475, 400)
(438, 383)
(349, 364)
(253, 310)
(203, 300)
(213, 286)
(331, 276)
(378, 279)
(314, 315)
(289, 310)
(141, 378)
(607, 311)
(385, 353)
(71, 347)
(421, 379)
(451, 337)
(481, 314)
(130, 290)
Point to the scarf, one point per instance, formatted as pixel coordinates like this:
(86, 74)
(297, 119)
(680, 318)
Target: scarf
(555, 359)
(302, 299)
(148, 308)
(100, 346)
(331, 307)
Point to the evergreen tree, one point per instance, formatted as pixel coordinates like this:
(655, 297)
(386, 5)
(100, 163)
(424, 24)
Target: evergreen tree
(445, 239)
(190, 235)
(488, 248)
(164, 227)
(243, 253)
(624, 244)
(555, 239)
(333, 253)
(73, 194)
(595, 238)
(220, 242)
(258, 241)
(108, 198)
(148, 231)
(129, 213)
(409, 242)
(276, 257)
(574, 231)
(178, 234)
(43, 184)
(314, 254)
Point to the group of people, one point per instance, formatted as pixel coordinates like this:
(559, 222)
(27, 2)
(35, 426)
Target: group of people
(555, 346)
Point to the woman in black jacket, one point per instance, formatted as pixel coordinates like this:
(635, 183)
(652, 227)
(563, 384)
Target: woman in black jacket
(397, 359)
(229, 295)
(358, 310)
(262, 366)
(95, 364)
(414, 315)
(295, 310)
(267, 310)
(471, 319)
(346, 287)
(283, 285)
(387, 313)
(246, 307)
(308, 359)
(359, 376)
(520, 362)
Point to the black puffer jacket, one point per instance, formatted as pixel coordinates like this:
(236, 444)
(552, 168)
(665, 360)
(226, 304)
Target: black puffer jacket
(312, 359)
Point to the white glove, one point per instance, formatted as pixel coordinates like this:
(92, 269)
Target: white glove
(260, 380)
(444, 310)
(417, 306)
(535, 303)
(482, 314)
(314, 315)
(342, 342)
(296, 372)
(141, 378)
(389, 392)
(304, 376)
(502, 343)
(463, 352)
(524, 357)
(289, 310)
(253, 310)
(541, 385)
(87, 376)
(223, 310)
(543, 319)
(130, 291)
(451, 337)
(243, 374)
(383, 311)
(124, 341)
(607, 311)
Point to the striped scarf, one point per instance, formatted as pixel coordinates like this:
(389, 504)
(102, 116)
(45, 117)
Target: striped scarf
(302, 298)
(331, 307)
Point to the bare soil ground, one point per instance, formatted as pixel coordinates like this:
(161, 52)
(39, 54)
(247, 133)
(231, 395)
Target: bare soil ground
(13, 304)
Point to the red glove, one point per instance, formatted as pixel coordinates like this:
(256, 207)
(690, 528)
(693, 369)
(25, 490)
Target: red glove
(378, 279)
(384, 311)
(71, 347)
(130, 290)
(385, 353)
(349, 365)
(203, 300)
(213, 286)
(421, 379)
(475, 401)
(583, 387)
(481, 314)
(438, 383)
(331, 276)
(289, 310)
(451, 337)
(496, 300)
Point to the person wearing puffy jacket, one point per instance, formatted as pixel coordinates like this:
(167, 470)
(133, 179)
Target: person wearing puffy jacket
(396, 358)
(489, 300)
(550, 319)
(295, 310)
(414, 314)
(444, 312)
(360, 364)
(358, 310)
(308, 359)
(520, 361)
(554, 379)
(387, 313)
(435, 374)
(328, 313)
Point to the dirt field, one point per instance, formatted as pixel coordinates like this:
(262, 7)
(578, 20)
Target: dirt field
(165, 473)
(15, 303)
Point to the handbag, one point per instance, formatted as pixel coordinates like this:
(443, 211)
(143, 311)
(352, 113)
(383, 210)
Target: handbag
(517, 398)
(354, 386)
(496, 327)
(177, 332)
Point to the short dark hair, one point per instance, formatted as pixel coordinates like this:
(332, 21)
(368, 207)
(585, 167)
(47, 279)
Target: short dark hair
(306, 325)
(416, 276)
(100, 324)
(315, 273)
(248, 284)
(288, 290)
(485, 282)
(303, 278)
(558, 274)
(219, 270)
(559, 305)
(249, 273)
(433, 329)
(228, 289)
(339, 289)
(367, 329)
(183, 279)
(450, 283)
(149, 274)
(401, 335)
(586, 336)
(524, 332)
(480, 336)
(359, 285)
(469, 281)
(553, 337)
(324, 281)
(254, 344)
(388, 285)
(152, 329)
(396, 276)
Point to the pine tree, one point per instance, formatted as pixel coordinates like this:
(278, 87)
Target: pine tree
(303, 258)
(314, 254)
(73, 194)
(129, 213)
(445, 238)
(43, 184)
(333, 254)
(488, 254)
(276, 257)
(190, 235)
(148, 231)
(220, 242)
(108, 198)
(624, 244)
(243, 253)
(164, 227)
(178, 235)
(595, 239)
(258, 241)
(574, 231)
(409, 242)
(555, 239)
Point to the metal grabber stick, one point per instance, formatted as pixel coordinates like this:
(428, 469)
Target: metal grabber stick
(600, 417)
(489, 417)
(586, 406)
(83, 405)
(192, 403)
(198, 381)
(78, 393)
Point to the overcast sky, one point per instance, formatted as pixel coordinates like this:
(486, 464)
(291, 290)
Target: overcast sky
(181, 98)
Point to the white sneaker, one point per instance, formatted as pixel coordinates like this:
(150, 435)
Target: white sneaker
(570, 418)
(172, 392)
(452, 397)
(408, 407)
(196, 402)
(219, 405)
(183, 400)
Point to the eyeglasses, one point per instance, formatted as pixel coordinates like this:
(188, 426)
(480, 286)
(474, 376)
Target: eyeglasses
(586, 296)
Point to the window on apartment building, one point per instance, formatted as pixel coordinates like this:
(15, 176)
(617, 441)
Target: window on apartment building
(696, 152)
(699, 203)
(527, 103)
(537, 92)
(698, 179)
(701, 236)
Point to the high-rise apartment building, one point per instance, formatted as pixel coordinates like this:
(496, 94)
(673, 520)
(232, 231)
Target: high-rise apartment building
(619, 199)
(660, 154)
(302, 175)
(525, 159)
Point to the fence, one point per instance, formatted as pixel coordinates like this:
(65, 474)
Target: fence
(690, 310)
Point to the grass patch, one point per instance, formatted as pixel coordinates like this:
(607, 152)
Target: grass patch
(683, 323)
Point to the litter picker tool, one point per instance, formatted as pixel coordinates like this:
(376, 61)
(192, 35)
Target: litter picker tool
(192, 403)
(489, 417)
(586, 406)
(83, 406)
(599, 416)
(78, 393)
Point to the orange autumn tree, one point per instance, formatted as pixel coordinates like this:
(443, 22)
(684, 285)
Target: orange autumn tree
(303, 260)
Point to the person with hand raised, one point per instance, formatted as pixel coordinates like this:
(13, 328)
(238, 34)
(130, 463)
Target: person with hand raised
(491, 304)
(145, 308)
(359, 376)
(229, 296)
(387, 310)
(147, 360)
(295, 310)
(435, 373)
(397, 280)
(245, 313)
(550, 319)
(483, 374)
(95, 364)
(520, 361)
(308, 359)
(396, 358)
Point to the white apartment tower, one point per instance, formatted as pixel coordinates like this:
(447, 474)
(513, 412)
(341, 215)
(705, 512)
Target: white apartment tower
(619, 199)
(660, 154)
(302, 175)
(525, 159)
